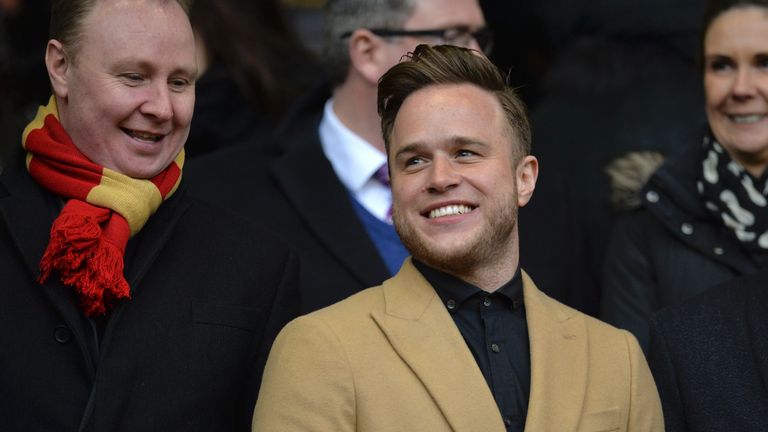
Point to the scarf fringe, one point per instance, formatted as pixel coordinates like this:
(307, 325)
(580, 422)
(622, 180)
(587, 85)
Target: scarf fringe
(85, 259)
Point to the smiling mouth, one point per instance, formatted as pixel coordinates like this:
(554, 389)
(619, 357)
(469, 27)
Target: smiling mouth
(450, 210)
(143, 136)
(746, 119)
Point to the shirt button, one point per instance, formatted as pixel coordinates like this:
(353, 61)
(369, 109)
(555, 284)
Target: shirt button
(652, 196)
(495, 348)
(719, 251)
(515, 304)
(507, 421)
(451, 304)
(486, 302)
(686, 228)
(62, 334)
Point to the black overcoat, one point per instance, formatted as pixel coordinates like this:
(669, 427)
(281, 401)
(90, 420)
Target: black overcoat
(209, 292)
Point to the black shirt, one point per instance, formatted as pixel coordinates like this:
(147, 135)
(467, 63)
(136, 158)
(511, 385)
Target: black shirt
(494, 328)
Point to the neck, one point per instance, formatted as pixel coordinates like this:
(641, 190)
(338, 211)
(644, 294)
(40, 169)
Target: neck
(354, 103)
(491, 270)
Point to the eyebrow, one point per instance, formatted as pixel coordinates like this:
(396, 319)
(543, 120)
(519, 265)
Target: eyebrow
(454, 140)
(130, 62)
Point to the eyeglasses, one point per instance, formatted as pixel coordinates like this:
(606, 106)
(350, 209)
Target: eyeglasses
(459, 36)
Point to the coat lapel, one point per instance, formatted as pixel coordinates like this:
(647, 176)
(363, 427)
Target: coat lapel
(424, 335)
(306, 177)
(558, 362)
(28, 212)
(153, 237)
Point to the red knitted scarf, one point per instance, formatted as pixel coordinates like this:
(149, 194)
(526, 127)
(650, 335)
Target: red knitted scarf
(103, 210)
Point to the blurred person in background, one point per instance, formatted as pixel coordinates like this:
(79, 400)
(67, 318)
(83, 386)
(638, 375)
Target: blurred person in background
(704, 213)
(252, 69)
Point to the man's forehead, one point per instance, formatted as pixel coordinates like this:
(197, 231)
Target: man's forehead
(449, 114)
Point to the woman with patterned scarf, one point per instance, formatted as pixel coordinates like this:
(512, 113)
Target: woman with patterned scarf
(704, 214)
(124, 304)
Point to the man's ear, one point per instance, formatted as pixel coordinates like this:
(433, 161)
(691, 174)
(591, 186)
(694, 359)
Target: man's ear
(368, 55)
(527, 173)
(58, 63)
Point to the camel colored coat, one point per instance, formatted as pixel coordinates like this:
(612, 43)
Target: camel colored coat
(391, 359)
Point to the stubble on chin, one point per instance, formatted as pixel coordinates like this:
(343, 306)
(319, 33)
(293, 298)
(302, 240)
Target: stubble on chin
(466, 259)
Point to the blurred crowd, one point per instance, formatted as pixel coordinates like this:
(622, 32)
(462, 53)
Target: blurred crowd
(645, 116)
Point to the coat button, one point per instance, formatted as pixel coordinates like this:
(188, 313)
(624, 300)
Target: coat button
(62, 334)
(686, 228)
(652, 196)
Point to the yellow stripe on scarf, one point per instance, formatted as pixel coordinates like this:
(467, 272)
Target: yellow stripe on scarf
(39, 120)
(135, 199)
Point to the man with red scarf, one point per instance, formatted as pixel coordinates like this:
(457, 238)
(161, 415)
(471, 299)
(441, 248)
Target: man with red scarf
(124, 304)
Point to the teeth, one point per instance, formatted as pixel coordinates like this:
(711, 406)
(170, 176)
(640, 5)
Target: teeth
(754, 118)
(449, 211)
(144, 136)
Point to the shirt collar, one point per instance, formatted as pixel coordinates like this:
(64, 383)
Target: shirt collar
(353, 159)
(454, 291)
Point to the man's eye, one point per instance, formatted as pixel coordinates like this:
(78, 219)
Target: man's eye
(465, 153)
(178, 84)
(414, 161)
(132, 79)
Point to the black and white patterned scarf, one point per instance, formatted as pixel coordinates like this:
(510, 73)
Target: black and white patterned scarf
(734, 196)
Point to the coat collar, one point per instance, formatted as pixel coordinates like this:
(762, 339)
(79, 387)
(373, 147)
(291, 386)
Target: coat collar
(423, 334)
(559, 361)
(676, 203)
(307, 179)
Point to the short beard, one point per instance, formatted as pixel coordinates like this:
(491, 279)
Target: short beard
(478, 254)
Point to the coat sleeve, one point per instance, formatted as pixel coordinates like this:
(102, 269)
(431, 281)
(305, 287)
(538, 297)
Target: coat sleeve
(645, 413)
(629, 286)
(666, 379)
(308, 384)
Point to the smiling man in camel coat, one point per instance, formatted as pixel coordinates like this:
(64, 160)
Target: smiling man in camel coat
(460, 339)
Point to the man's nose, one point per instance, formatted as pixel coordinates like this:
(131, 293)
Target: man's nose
(443, 175)
(158, 103)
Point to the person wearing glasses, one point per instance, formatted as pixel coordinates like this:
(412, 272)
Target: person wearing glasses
(326, 191)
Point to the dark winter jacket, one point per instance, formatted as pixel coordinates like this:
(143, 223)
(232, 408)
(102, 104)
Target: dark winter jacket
(669, 250)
